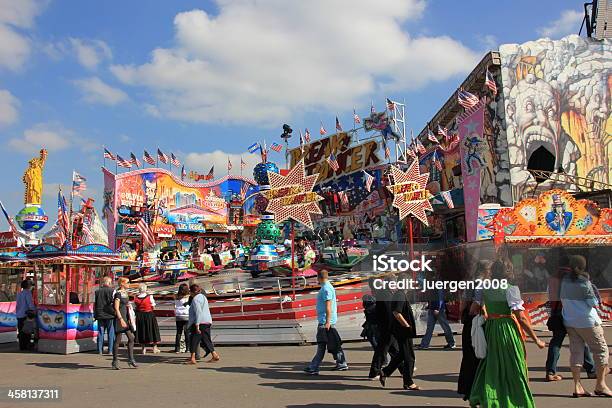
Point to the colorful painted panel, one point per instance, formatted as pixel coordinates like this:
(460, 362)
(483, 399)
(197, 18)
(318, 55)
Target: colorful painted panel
(557, 104)
(555, 213)
(8, 319)
(66, 323)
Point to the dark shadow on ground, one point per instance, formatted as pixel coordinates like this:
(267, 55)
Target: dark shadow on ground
(68, 366)
(368, 406)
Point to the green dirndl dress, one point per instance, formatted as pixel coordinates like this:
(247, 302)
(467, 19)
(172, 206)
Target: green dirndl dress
(502, 380)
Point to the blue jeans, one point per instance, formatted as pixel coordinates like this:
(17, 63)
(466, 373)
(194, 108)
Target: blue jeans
(554, 350)
(107, 325)
(431, 324)
(318, 358)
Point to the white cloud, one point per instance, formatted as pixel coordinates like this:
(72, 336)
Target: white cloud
(90, 53)
(567, 23)
(94, 90)
(9, 112)
(260, 62)
(201, 162)
(15, 18)
(50, 136)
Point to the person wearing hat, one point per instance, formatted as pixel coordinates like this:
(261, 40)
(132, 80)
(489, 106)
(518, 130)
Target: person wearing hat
(558, 219)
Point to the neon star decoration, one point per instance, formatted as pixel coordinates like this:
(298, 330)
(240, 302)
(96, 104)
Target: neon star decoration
(291, 196)
(409, 193)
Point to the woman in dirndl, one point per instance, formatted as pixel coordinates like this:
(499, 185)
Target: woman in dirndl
(147, 330)
(502, 380)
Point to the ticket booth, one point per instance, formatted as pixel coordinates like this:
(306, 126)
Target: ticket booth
(65, 282)
(13, 269)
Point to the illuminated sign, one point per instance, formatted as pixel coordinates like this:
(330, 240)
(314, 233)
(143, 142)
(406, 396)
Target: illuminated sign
(350, 158)
(409, 193)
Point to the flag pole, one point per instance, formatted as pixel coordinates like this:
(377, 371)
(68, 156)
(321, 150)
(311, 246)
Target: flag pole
(70, 211)
(157, 160)
(104, 156)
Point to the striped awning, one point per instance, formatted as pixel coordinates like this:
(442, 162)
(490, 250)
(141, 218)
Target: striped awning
(71, 259)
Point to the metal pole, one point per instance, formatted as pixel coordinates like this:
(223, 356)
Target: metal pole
(293, 258)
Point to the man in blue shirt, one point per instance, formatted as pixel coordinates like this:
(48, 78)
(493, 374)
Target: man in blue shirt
(327, 335)
(24, 302)
(436, 312)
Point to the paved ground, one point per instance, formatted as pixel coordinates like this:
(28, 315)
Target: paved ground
(259, 377)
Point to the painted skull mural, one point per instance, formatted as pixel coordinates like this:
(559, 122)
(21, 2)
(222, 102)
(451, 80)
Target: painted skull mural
(557, 103)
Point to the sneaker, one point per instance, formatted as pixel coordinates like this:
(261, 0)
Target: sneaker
(376, 378)
(310, 371)
(450, 347)
(340, 368)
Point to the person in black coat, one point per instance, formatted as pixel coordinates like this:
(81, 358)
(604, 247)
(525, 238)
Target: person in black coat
(403, 328)
(104, 314)
(385, 341)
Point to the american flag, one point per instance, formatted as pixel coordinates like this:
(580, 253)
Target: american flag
(356, 117)
(420, 146)
(211, 174)
(121, 162)
(411, 152)
(183, 173)
(442, 131)
(432, 137)
(148, 238)
(369, 179)
(243, 190)
(446, 195)
(276, 147)
(10, 221)
(108, 155)
(437, 161)
(322, 130)
(307, 135)
(174, 161)
(338, 125)
(163, 157)
(229, 164)
(333, 163)
(62, 218)
(372, 108)
(78, 183)
(490, 82)
(86, 230)
(390, 104)
(148, 158)
(466, 99)
(134, 160)
(242, 164)
(344, 198)
(254, 147)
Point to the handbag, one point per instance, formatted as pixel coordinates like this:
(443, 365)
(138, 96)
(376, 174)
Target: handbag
(131, 317)
(479, 342)
(555, 322)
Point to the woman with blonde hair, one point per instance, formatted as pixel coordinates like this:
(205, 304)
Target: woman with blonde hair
(147, 330)
(124, 323)
(583, 326)
(501, 379)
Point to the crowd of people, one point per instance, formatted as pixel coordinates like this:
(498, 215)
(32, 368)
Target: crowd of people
(498, 377)
(116, 316)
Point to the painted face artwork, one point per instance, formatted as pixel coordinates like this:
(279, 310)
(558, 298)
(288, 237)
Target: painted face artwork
(52, 321)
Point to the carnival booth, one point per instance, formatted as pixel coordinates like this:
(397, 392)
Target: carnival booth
(12, 272)
(64, 282)
(539, 233)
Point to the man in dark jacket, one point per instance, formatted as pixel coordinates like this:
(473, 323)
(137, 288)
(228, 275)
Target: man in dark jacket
(104, 314)
(403, 328)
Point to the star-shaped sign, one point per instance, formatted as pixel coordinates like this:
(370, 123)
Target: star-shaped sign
(409, 193)
(291, 196)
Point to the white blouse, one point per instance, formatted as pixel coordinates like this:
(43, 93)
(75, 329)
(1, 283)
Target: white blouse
(513, 297)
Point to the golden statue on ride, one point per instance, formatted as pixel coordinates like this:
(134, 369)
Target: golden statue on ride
(32, 178)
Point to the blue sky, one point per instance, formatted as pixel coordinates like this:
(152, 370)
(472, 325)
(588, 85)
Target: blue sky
(204, 79)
